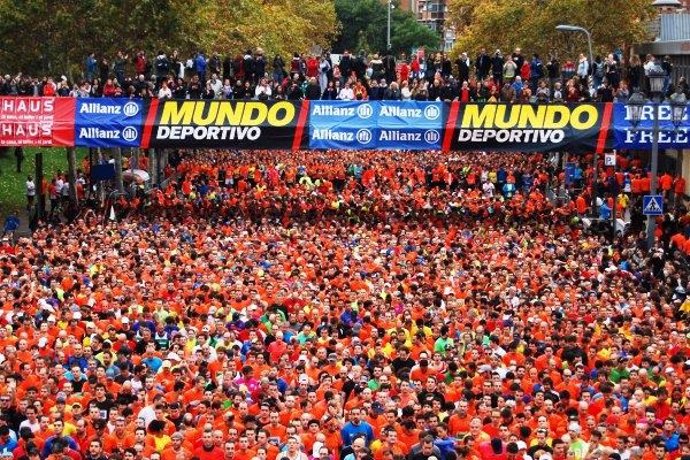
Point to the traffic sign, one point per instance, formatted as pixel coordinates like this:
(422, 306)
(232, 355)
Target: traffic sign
(652, 205)
(610, 159)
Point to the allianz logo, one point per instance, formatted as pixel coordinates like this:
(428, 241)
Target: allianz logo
(430, 136)
(362, 136)
(128, 133)
(129, 109)
(430, 112)
(365, 136)
(365, 111)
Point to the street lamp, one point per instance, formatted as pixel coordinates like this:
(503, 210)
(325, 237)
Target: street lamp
(636, 108)
(679, 103)
(570, 28)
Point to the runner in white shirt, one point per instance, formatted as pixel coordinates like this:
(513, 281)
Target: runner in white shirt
(293, 451)
(488, 188)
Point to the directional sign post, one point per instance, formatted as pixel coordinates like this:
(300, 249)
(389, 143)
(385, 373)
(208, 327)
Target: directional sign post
(653, 205)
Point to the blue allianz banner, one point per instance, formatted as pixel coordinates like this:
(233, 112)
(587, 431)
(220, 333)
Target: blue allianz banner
(410, 125)
(341, 125)
(628, 136)
(108, 122)
(395, 125)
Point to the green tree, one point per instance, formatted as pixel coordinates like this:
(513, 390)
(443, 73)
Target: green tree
(363, 25)
(407, 33)
(44, 36)
(279, 26)
(55, 37)
(531, 25)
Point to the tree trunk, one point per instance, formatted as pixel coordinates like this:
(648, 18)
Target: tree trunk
(72, 174)
(41, 203)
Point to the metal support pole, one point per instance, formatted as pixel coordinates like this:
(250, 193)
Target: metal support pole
(72, 175)
(89, 194)
(119, 184)
(153, 166)
(596, 154)
(591, 56)
(595, 178)
(613, 208)
(651, 220)
(41, 202)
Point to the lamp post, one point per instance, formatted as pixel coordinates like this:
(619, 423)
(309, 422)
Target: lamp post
(388, 30)
(636, 107)
(571, 28)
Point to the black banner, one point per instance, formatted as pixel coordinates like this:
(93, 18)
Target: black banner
(528, 127)
(226, 124)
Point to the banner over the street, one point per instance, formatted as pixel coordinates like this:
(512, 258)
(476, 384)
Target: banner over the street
(528, 127)
(393, 125)
(385, 125)
(36, 121)
(640, 137)
(109, 122)
(224, 124)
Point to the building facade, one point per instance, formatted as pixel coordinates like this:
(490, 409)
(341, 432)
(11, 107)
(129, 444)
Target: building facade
(671, 32)
(408, 5)
(432, 13)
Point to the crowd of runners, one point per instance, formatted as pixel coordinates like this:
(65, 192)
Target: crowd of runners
(350, 306)
(353, 305)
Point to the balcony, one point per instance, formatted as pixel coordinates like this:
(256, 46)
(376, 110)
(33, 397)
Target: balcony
(431, 16)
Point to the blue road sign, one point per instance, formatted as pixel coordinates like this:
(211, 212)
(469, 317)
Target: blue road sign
(652, 205)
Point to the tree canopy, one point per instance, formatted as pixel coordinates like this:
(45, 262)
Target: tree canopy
(531, 25)
(43, 36)
(363, 27)
(278, 26)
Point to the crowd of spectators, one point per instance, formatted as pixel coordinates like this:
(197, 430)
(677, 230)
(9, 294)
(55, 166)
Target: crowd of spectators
(350, 306)
(488, 77)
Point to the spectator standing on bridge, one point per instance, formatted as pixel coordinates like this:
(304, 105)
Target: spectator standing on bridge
(119, 67)
(200, 64)
(141, 64)
(463, 65)
(497, 67)
(161, 66)
(278, 68)
(582, 68)
(536, 72)
(324, 70)
(91, 67)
